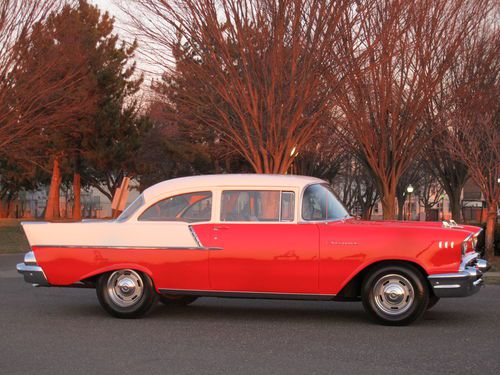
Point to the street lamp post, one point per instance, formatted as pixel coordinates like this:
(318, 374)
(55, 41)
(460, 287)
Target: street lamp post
(409, 189)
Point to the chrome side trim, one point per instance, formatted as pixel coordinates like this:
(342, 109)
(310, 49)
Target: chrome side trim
(195, 236)
(452, 286)
(132, 247)
(458, 275)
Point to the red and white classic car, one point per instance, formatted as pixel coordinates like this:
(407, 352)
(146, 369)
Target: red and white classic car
(254, 236)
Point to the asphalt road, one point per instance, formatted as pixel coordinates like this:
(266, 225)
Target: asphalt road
(65, 331)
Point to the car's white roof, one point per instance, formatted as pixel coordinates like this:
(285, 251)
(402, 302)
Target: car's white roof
(236, 180)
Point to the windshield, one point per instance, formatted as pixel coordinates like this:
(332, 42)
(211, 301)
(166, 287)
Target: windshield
(131, 208)
(320, 203)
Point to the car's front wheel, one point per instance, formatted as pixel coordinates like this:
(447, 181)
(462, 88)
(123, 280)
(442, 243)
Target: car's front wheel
(395, 294)
(126, 293)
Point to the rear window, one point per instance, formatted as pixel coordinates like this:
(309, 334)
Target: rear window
(191, 208)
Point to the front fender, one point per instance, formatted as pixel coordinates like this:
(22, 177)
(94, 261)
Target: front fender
(363, 267)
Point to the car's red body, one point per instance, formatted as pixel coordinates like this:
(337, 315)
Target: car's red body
(223, 256)
(292, 258)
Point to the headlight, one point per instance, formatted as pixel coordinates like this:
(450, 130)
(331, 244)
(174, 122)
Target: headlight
(465, 244)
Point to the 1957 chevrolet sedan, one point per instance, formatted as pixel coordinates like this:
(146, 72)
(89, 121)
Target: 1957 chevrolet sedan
(254, 236)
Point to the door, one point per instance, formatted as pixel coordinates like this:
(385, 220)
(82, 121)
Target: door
(261, 248)
(181, 263)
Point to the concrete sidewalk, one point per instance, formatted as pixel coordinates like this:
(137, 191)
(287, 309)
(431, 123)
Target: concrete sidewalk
(492, 277)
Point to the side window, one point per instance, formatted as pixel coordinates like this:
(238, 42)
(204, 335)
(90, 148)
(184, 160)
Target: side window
(320, 203)
(313, 203)
(131, 209)
(191, 208)
(257, 205)
(287, 205)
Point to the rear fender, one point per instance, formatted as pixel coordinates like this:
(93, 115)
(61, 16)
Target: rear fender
(116, 267)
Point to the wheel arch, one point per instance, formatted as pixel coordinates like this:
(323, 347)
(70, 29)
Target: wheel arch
(92, 277)
(351, 291)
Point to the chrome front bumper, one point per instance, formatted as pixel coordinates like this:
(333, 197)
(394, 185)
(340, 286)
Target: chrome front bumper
(467, 281)
(31, 271)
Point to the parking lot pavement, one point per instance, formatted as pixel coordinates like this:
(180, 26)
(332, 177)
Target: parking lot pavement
(64, 331)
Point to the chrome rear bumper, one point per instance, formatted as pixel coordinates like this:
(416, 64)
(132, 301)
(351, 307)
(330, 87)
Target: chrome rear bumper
(31, 271)
(467, 281)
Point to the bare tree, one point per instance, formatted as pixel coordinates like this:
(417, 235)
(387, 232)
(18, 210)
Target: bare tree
(262, 65)
(451, 172)
(355, 187)
(411, 176)
(475, 126)
(323, 156)
(409, 47)
(429, 192)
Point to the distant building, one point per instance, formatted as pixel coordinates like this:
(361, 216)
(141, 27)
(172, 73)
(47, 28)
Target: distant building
(95, 205)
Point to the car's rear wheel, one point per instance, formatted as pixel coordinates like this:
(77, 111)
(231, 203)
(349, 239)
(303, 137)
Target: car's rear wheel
(171, 300)
(432, 301)
(126, 293)
(395, 294)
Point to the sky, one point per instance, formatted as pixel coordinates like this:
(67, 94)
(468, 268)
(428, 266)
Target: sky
(122, 29)
(111, 6)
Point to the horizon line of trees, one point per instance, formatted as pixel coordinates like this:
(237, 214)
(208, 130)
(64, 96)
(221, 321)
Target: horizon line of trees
(378, 94)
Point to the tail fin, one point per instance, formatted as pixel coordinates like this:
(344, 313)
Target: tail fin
(34, 231)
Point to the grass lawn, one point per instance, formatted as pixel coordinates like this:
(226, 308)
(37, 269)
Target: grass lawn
(12, 238)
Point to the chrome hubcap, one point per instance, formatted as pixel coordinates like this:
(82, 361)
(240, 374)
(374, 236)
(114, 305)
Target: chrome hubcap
(393, 294)
(125, 288)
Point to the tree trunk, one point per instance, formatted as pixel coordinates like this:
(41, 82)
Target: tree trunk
(52, 211)
(491, 219)
(428, 211)
(456, 210)
(3, 210)
(77, 206)
(367, 213)
(388, 206)
(9, 208)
